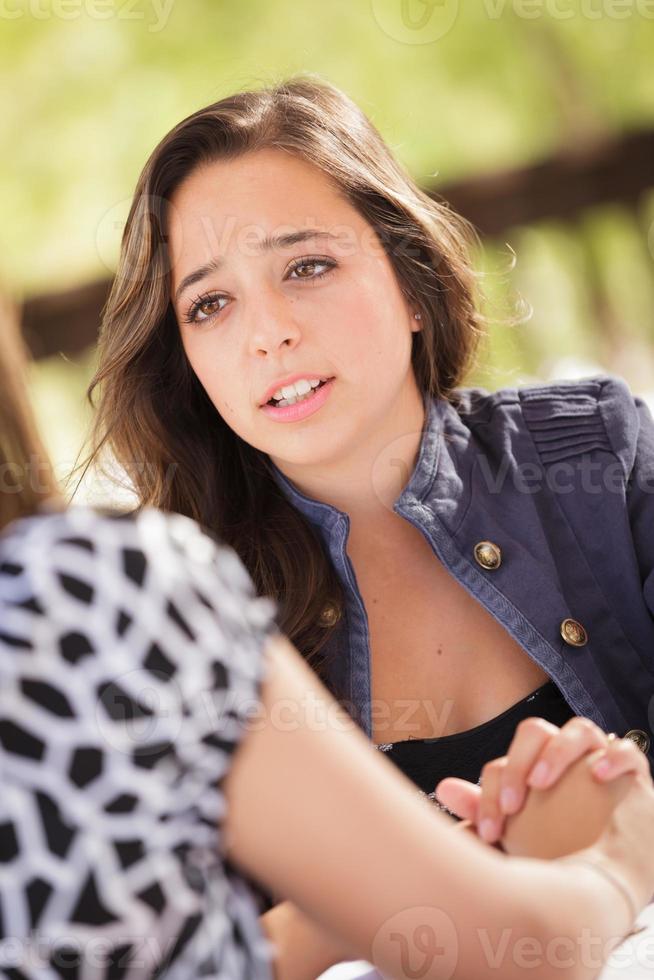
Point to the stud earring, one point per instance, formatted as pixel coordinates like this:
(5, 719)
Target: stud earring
(418, 316)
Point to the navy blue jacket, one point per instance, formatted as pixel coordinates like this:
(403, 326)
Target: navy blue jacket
(559, 479)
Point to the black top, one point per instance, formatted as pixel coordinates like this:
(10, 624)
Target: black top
(428, 760)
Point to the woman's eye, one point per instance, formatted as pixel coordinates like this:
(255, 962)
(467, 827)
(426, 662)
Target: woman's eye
(201, 309)
(311, 264)
(199, 306)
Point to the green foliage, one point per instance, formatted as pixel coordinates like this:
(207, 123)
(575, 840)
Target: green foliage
(91, 86)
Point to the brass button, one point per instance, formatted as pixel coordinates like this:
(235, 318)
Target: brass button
(488, 555)
(640, 737)
(330, 615)
(574, 633)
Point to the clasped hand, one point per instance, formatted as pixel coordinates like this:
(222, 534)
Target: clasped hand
(539, 756)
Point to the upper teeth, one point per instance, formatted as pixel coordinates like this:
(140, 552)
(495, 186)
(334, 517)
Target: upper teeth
(301, 387)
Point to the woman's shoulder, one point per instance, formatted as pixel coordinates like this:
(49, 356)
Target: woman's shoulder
(109, 606)
(161, 539)
(578, 396)
(563, 417)
(130, 663)
(102, 559)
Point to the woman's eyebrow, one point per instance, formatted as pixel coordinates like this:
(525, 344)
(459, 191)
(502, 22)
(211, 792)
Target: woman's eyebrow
(265, 245)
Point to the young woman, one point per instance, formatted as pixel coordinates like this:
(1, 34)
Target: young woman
(136, 778)
(281, 358)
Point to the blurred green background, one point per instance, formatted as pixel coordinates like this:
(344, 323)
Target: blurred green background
(458, 90)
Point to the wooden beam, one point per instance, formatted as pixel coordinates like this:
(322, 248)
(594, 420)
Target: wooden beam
(66, 321)
(617, 170)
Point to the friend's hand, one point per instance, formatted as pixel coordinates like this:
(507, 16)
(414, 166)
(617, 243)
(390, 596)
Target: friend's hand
(538, 756)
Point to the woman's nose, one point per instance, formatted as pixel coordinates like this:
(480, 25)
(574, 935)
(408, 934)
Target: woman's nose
(273, 326)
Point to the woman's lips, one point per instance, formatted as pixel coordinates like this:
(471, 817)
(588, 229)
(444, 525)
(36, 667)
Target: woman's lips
(303, 409)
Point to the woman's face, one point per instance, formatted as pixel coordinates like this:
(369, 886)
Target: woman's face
(328, 306)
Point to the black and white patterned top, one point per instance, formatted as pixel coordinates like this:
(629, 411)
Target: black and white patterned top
(130, 657)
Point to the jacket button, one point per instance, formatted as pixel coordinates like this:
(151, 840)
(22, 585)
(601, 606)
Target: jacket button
(488, 555)
(640, 738)
(330, 615)
(574, 633)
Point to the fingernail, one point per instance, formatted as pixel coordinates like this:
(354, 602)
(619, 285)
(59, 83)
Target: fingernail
(602, 767)
(539, 775)
(489, 830)
(508, 800)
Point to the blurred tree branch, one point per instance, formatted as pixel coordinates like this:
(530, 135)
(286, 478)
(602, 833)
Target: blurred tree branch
(597, 171)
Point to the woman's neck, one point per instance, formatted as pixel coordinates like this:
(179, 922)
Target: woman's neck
(366, 484)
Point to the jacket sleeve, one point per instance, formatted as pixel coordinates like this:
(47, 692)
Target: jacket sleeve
(629, 421)
(640, 500)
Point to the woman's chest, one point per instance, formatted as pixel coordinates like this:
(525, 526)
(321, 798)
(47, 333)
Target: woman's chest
(440, 662)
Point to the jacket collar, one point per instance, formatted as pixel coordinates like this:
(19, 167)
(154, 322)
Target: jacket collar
(327, 516)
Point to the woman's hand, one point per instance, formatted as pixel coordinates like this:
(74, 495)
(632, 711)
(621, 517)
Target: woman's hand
(538, 756)
(627, 837)
(572, 814)
(607, 824)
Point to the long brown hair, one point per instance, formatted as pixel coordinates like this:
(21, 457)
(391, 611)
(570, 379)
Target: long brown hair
(26, 476)
(152, 412)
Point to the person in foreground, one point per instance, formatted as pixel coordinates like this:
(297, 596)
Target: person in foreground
(163, 746)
